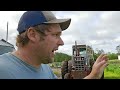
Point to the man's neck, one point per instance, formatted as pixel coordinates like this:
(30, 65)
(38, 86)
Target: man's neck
(28, 57)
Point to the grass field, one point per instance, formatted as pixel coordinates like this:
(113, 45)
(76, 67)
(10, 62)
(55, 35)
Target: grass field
(111, 72)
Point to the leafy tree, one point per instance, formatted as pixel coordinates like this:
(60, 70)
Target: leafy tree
(98, 52)
(59, 57)
(113, 56)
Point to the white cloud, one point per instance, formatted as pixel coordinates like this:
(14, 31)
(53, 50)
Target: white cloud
(117, 39)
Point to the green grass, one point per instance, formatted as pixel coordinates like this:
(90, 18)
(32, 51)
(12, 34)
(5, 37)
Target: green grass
(110, 75)
(113, 70)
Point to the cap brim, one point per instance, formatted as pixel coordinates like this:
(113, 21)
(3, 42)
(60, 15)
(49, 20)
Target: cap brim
(64, 23)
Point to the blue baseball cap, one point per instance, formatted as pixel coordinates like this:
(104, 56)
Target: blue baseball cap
(33, 18)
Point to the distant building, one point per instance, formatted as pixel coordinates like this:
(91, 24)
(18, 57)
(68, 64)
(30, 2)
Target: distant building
(5, 47)
(118, 57)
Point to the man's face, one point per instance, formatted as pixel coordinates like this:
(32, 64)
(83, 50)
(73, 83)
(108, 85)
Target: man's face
(50, 44)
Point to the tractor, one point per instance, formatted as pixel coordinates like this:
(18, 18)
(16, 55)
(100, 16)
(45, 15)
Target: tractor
(81, 63)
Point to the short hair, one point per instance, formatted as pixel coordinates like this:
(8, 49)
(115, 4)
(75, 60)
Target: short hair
(22, 39)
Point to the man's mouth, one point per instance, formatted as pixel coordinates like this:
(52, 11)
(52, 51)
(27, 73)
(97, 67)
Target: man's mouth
(54, 50)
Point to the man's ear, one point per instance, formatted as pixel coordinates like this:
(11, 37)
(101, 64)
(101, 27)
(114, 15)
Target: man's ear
(32, 34)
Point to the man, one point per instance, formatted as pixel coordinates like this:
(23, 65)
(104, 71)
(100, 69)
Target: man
(39, 36)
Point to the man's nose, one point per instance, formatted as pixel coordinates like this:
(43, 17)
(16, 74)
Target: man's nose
(60, 42)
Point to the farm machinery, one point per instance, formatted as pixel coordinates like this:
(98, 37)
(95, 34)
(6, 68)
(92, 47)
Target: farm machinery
(81, 63)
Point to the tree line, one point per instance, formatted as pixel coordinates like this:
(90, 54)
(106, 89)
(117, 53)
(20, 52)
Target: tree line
(59, 57)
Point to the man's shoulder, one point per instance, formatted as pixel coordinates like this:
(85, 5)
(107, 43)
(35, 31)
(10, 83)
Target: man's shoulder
(5, 67)
(3, 63)
(4, 60)
(4, 55)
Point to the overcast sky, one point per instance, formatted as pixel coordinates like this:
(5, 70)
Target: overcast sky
(99, 29)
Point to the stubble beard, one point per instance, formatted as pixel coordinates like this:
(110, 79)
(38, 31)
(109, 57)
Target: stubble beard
(48, 60)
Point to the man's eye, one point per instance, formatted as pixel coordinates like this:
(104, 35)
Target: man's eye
(56, 34)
